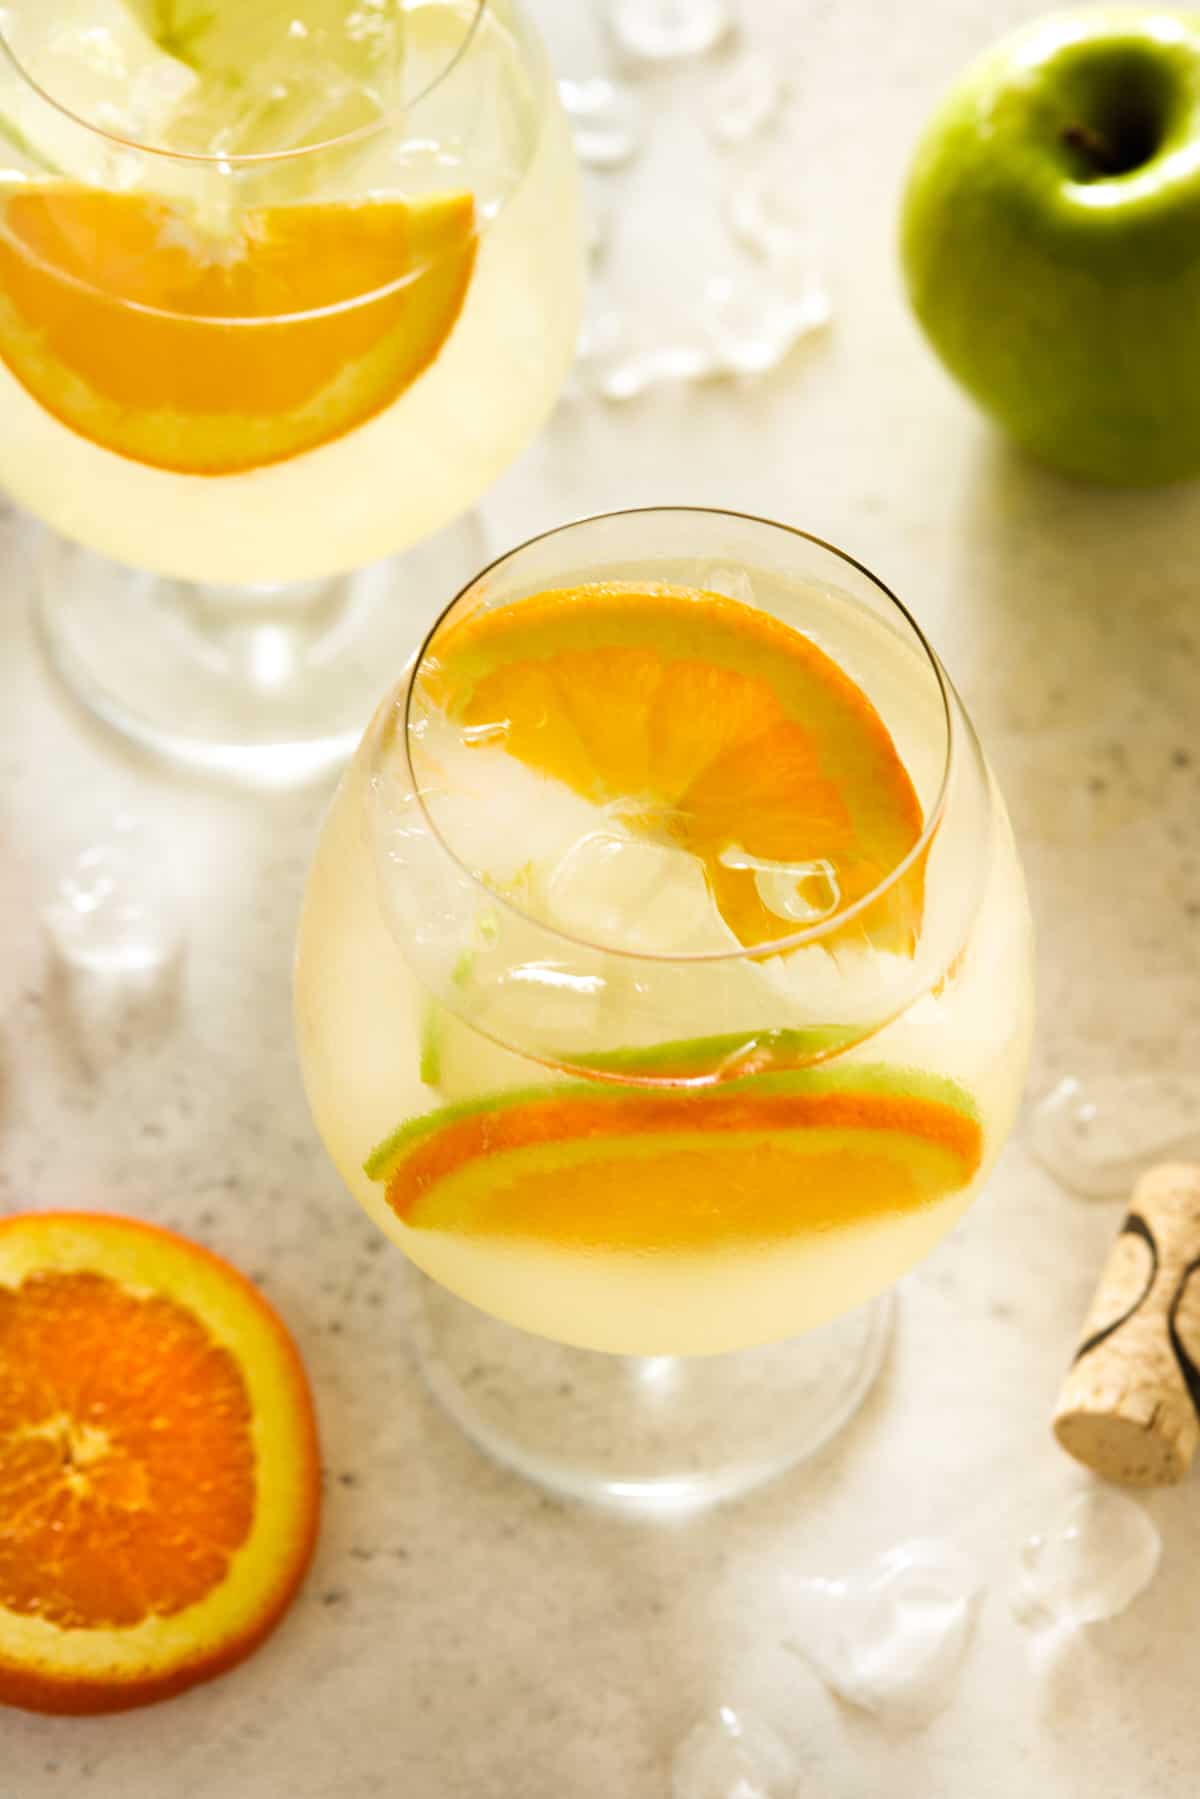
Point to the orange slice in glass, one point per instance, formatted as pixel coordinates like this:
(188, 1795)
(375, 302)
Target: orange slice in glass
(757, 1161)
(213, 354)
(713, 727)
(159, 1473)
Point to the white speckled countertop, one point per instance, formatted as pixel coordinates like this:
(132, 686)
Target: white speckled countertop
(461, 1634)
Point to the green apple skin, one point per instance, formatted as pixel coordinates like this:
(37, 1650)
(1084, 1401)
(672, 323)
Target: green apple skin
(1050, 241)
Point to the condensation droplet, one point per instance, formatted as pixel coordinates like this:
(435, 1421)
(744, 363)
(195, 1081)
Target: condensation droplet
(733, 1755)
(661, 30)
(891, 1637)
(1098, 1136)
(1091, 1561)
(606, 120)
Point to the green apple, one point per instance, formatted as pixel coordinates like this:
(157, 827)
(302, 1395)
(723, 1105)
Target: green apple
(1050, 240)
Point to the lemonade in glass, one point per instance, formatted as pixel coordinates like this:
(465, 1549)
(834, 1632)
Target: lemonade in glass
(664, 992)
(283, 288)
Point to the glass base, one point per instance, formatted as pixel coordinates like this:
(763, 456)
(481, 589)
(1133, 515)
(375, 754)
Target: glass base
(663, 1434)
(269, 685)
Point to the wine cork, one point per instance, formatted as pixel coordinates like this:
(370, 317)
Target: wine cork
(1130, 1406)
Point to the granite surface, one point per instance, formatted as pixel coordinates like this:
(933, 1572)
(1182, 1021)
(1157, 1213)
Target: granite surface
(462, 1634)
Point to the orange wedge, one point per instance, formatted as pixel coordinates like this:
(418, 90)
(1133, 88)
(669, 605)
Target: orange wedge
(751, 1162)
(711, 726)
(212, 355)
(159, 1475)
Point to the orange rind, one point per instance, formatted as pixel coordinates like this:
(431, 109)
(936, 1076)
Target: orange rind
(710, 726)
(595, 1166)
(213, 353)
(159, 1467)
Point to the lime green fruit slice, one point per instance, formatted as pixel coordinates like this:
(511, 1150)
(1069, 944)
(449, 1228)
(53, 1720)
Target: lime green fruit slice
(597, 1166)
(458, 1061)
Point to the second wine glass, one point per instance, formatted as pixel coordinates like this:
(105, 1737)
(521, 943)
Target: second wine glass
(279, 297)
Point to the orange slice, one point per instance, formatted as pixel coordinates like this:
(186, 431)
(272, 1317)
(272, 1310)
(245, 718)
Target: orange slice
(713, 727)
(212, 355)
(772, 1157)
(159, 1475)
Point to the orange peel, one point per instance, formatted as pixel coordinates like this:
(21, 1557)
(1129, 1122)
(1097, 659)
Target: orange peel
(159, 1466)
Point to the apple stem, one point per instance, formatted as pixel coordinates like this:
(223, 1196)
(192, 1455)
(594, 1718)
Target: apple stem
(1098, 150)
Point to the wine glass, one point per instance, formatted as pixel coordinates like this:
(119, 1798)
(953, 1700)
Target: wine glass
(664, 992)
(282, 290)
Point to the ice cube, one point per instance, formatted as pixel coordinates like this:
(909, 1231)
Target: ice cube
(747, 99)
(662, 30)
(110, 915)
(772, 212)
(733, 1755)
(1097, 1136)
(621, 891)
(1096, 1554)
(890, 1637)
(735, 583)
(606, 120)
(752, 323)
(798, 893)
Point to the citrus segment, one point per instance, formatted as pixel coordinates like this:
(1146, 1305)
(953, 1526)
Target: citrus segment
(748, 1162)
(159, 1476)
(212, 354)
(711, 726)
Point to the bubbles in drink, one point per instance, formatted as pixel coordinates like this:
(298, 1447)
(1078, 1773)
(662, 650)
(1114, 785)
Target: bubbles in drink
(1097, 1136)
(1096, 1554)
(661, 30)
(109, 915)
(890, 1637)
(733, 1755)
(606, 121)
(746, 100)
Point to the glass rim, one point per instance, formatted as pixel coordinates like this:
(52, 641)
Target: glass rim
(793, 940)
(223, 160)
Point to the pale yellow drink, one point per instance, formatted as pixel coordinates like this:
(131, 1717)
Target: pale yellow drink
(476, 929)
(489, 131)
